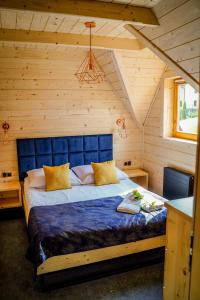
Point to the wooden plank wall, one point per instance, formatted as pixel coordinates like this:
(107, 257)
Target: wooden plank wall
(179, 37)
(160, 151)
(110, 64)
(179, 32)
(141, 71)
(134, 76)
(39, 96)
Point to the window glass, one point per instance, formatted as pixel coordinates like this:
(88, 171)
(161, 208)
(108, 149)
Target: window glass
(187, 109)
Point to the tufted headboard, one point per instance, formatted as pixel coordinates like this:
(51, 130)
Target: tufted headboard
(33, 153)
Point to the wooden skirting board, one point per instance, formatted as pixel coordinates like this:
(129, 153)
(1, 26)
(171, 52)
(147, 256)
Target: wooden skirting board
(58, 263)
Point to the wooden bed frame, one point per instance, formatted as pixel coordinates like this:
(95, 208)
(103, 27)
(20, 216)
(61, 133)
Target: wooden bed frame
(34, 152)
(63, 262)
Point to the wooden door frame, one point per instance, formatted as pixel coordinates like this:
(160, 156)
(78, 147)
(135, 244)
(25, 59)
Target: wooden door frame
(195, 271)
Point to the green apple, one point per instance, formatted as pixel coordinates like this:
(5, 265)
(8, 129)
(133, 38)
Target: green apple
(137, 195)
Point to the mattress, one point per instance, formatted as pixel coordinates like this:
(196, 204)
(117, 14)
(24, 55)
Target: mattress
(39, 197)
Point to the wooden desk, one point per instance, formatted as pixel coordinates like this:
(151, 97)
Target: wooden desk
(10, 194)
(177, 251)
(138, 176)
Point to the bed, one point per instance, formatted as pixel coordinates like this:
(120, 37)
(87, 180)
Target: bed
(109, 234)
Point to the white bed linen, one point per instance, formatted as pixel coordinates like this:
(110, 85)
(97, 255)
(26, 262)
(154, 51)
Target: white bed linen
(38, 197)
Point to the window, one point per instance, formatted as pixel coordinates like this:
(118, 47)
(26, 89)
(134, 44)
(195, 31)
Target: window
(186, 104)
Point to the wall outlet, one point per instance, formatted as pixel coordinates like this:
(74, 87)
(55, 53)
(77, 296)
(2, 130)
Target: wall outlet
(7, 174)
(128, 163)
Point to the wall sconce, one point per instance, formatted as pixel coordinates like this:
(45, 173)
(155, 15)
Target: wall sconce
(5, 126)
(121, 127)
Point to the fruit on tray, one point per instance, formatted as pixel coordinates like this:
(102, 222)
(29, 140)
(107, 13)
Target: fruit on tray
(137, 195)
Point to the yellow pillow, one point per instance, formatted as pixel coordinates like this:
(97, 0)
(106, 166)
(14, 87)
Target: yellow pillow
(105, 173)
(57, 178)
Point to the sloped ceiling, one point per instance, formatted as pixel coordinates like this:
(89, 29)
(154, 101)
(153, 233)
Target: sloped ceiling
(141, 72)
(110, 66)
(178, 36)
(134, 76)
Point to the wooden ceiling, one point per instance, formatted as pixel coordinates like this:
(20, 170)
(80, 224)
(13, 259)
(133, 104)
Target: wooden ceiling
(69, 16)
(36, 21)
(165, 29)
(142, 3)
(177, 39)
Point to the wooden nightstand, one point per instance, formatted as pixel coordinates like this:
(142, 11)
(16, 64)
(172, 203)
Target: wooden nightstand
(138, 176)
(10, 195)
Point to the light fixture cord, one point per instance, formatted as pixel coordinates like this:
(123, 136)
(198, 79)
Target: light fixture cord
(90, 62)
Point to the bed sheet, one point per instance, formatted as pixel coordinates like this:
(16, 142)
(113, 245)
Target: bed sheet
(39, 197)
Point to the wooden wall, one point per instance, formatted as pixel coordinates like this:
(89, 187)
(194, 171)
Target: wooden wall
(160, 150)
(141, 71)
(178, 36)
(179, 33)
(134, 76)
(110, 65)
(39, 96)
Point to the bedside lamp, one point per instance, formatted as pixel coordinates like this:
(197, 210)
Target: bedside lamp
(121, 126)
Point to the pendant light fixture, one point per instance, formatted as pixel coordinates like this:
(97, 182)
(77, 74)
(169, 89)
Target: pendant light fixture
(90, 71)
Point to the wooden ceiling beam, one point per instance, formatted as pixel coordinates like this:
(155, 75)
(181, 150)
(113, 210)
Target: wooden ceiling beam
(68, 39)
(93, 9)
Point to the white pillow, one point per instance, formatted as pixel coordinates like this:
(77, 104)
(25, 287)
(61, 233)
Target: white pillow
(74, 179)
(36, 178)
(86, 174)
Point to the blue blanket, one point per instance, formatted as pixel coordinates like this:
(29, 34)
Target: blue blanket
(81, 226)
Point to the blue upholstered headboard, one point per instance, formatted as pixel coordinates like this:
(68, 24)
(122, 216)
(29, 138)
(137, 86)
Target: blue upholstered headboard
(33, 153)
